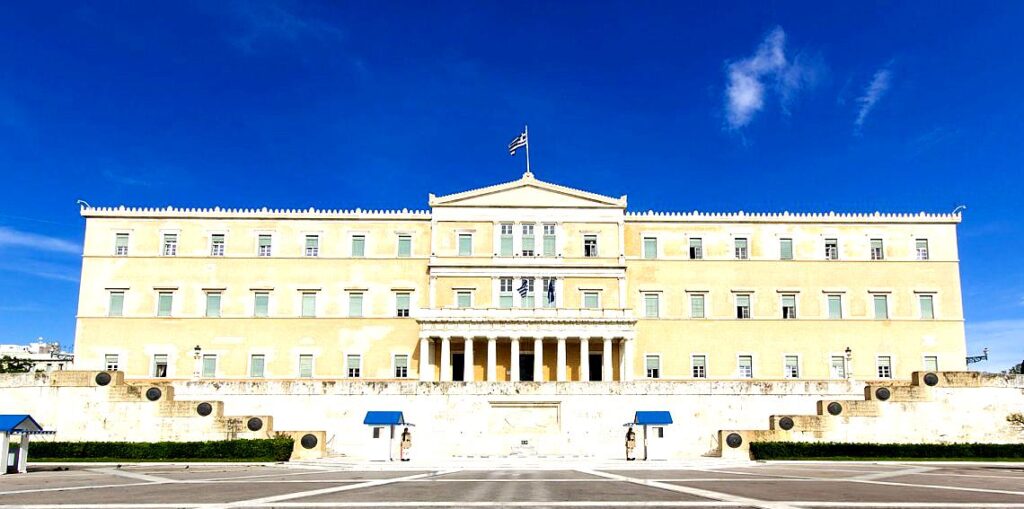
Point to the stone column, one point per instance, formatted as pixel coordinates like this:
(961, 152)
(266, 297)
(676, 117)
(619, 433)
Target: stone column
(467, 371)
(560, 361)
(446, 359)
(538, 359)
(513, 361)
(627, 360)
(426, 373)
(492, 359)
(606, 361)
(23, 455)
(5, 441)
(584, 359)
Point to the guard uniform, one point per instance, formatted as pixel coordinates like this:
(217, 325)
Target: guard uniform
(630, 444)
(406, 444)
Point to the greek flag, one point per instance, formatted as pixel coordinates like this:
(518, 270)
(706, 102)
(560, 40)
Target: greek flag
(517, 143)
(551, 290)
(524, 288)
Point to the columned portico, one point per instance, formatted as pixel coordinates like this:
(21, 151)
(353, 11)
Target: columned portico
(513, 368)
(560, 361)
(492, 359)
(538, 360)
(584, 359)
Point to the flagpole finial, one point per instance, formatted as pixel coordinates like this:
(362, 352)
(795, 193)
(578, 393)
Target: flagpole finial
(528, 175)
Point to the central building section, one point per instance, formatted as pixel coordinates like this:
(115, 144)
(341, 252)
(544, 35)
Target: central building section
(527, 282)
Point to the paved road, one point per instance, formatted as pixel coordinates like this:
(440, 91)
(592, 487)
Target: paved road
(772, 486)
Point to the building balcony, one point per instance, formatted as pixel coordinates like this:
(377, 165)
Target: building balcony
(525, 314)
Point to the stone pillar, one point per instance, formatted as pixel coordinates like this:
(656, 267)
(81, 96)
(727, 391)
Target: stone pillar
(627, 360)
(584, 359)
(560, 361)
(5, 441)
(492, 359)
(23, 455)
(513, 360)
(446, 359)
(606, 361)
(538, 359)
(467, 371)
(426, 373)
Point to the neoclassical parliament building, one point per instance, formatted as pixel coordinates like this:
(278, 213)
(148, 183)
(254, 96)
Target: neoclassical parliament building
(521, 281)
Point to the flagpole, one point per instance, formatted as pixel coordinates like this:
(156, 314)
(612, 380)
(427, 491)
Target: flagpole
(526, 131)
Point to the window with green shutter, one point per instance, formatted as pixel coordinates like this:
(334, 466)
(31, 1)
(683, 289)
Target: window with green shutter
(505, 292)
(927, 307)
(697, 305)
(305, 366)
(355, 304)
(312, 245)
(741, 248)
(835, 307)
(353, 368)
(653, 365)
(404, 246)
(308, 304)
(785, 249)
(590, 300)
(212, 304)
(789, 307)
(528, 240)
(791, 367)
(116, 307)
(651, 305)
(261, 306)
(881, 307)
(209, 365)
(264, 245)
(121, 244)
(401, 366)
(549, 240)
(505, 240)
(465, 244)
(464, 299)
(358, 246)
(528, 300)
(696, 248)
(256, 363)
(650, 248)
(164, 303)
(699, 367)
(742, 307)
(402, 304)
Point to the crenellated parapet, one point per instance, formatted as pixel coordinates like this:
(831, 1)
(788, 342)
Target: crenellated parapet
(252, 213)
(791, 217)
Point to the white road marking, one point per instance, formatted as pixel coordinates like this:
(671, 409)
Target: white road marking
(935, 486)
(72, 488)
(132, 475)
(890, 473)
(697, 492)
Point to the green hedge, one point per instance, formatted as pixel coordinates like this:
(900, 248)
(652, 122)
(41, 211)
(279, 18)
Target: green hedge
(831, 450)
(267, 449)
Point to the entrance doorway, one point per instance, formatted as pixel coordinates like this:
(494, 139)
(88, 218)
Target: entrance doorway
(526, 367)
(595, 367)
(458, 367)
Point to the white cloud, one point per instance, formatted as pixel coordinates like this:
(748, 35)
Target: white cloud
(1004, 340)
(45, 270)
(767, 70)
(872, 94)
(10, 237)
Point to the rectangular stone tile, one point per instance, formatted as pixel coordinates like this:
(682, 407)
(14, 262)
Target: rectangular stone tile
(161, 493)
(837, 491)
(484, 491)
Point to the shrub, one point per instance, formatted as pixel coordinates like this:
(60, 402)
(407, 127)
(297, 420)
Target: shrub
(268, 449)
(824, 450)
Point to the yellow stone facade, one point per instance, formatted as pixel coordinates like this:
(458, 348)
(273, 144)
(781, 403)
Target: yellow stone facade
(628, 291)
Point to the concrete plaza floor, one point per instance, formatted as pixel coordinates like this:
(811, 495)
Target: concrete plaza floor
(707, 484)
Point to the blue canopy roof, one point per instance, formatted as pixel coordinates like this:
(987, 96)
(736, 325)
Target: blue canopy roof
(12, 423)
(376, 418)
(657, 417)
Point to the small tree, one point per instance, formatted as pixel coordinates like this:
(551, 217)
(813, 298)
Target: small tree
(10, 364)
(1017, 370)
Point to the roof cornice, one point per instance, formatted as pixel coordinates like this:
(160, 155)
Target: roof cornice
(790, 217)
(526, 180)
(252, 213)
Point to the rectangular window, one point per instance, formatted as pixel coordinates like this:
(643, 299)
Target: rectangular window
(838, 366)
(401, 366)
(170, 244)
(785, 249)
(352, 366)
(358, 246)
(160, 366)
(549, 292)
(404, 246)
(527, 300)
(653, 363)
(745, 364)
(699, 366)
(651, 305)
(884, 366)
(590, 246)
(742, 253)
(835, 307)
(931, 363)
(209, 365)
(312, 245)
(212, 304)
(355, 304)
(306, 366)
(505, 292)
(116, 307)
(263, 245)
(743, 307)
(921, 247)
(881, 307)
(549, 239)
(464, 299)
(877, 249)
(788, 307)
(505, 240)
(590, 300)
(528, 242)
(927, 307)
(696, 249)
(650, 248)
(402, 304)
(164, 303)
(791, 367)
(121, 244)
(110, 360)
(831, 249)
(256, 363)
(697, 305)
(217, 244)
(465, 244)
(308, 304)
(261, 304)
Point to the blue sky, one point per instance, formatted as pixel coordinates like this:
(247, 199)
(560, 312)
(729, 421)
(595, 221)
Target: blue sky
(758, 106)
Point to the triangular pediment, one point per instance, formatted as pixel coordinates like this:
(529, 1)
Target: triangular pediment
(527, 192)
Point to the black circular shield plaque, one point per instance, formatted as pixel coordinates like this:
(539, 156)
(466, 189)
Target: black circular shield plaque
(308, 441)
(254, 424)
(204, 409)
(102, 378)
(835, 408)
(882, 393)
(153, 393)
(734, 440)
(931, 379)
(786, 423)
